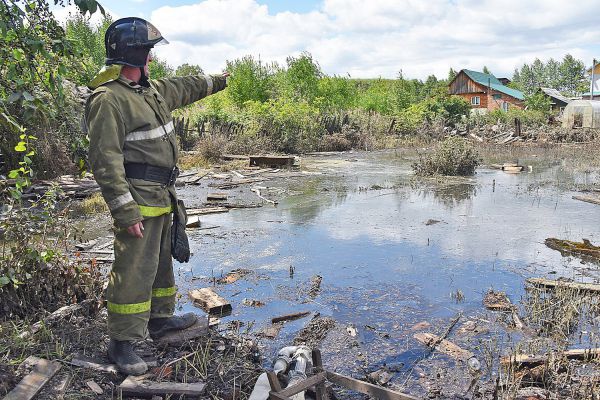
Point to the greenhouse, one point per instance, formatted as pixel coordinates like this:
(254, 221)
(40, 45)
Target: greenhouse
(582, 114)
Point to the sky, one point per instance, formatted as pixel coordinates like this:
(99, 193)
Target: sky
(371, 38)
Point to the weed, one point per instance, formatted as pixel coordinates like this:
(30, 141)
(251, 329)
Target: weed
(453, 156)
(94, 204)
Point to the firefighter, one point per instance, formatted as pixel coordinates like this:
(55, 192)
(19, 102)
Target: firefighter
(133, 155)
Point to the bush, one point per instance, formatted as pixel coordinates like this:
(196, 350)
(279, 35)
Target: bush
(211, 148)
(34, 275)
(453, 156)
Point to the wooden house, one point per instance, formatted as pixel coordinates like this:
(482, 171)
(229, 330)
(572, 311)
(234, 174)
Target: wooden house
(557, 100)
(484, 91)
(595, 84)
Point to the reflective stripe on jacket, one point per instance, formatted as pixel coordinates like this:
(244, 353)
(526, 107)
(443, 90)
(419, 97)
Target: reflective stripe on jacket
(130, 123)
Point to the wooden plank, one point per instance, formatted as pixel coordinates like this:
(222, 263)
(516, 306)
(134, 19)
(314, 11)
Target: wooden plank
(272, 161)
(375, 391)
(290, 317)
(94, 387)
(274, 381)
(549, 283)
(303, 385)
(587, 199)
(208, 210)
(175, 338)
(216, 197)
(320, 388)
(210, 302)
(31, 384)
(532, 360)
(443, 345)
(138, 386)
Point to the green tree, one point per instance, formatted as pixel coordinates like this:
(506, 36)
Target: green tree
(538, 101)
(451, 74)
(301, 79)
(250, 80)
(572, 75)
(159, 68)
(486, 70)
(188, 69)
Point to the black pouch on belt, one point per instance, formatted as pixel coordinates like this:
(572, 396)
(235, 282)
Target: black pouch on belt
(180, 246)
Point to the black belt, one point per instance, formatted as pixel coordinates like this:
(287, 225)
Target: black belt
(147, 172)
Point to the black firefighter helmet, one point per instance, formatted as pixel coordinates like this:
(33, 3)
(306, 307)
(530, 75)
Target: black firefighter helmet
(129, 40)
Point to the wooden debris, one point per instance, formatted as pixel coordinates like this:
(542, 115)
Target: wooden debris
(380, 377)
(272, 161)
(443, 345)
(569, 248)
(210, 302)
(513, 168)
(420, 326)
(432, 222)
(238, 175)
(315, 286)
(530, 360)
(208, 210)
(367, 388)
(94, 387)
(253, 303)
(62, 386)
(176, 338)
(474, 136)
(497, 301)
(139, 386)
(234, 276)
(193, 223)
(86, 362)
(290, 317)
(549, 283)
(234, 184)
(86, 245)
(58, 314)
(232, 157)
(31, 384)
(270, 332)
(471, 328)
(588, 199)
(216, 197)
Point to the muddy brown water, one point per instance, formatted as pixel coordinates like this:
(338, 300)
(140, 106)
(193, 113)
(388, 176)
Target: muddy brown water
(393, 250)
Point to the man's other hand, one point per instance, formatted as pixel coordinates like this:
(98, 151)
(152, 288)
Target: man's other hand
(136, 230)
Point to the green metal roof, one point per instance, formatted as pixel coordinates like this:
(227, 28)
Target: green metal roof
(493, 82)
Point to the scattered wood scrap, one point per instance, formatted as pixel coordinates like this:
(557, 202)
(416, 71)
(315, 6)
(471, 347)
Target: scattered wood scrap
(207, 210)
(210, 302)
(549, 283)
(62, 312)
(531, 360)
(253, 303)
(497, 301)
(216, 197)
(290, 317)
(234, 184)
(177, 338)
(140, 386)
(569, 248)
(31, 384)
(443, 345)
(234, 276)
(272, 161)
(270, 332)
(194, 223)
(588, 199)
(374, 391)
(94, 387)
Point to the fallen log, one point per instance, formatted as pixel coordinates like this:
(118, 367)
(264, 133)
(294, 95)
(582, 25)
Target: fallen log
(443, 345)
(290, 317)
(532, 360)
(210, 302)
(30, 385)
(549, 283)
(138, 386)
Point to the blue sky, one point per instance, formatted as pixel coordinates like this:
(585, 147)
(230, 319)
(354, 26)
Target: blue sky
(374, 38)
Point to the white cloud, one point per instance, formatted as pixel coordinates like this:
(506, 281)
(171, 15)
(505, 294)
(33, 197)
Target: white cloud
(381, 37)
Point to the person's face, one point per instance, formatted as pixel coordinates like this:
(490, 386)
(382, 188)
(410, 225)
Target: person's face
(147, 66)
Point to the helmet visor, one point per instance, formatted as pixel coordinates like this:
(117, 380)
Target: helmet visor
(154, 35)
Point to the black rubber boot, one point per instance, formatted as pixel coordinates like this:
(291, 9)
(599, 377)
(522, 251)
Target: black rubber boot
(121, 353)
(158, 327)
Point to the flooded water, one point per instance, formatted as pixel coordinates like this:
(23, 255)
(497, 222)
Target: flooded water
(392, 250)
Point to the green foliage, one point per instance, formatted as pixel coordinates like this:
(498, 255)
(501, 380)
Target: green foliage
(34, 274)
(538, 101)
(451, 157)
(159, 69)
(188, 69)
(250, 80)
(567, 76)
(301, 79)
(336, 93)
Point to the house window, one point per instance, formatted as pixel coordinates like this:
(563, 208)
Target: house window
(497, 96)
(505, 106)
(475, 100)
